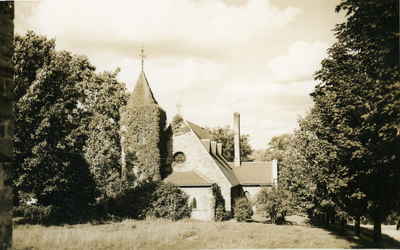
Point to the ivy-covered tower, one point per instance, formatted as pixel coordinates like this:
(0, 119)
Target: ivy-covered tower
(143, 125)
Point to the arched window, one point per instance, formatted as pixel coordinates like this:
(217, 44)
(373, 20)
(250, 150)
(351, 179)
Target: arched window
(179, 157)
(194, 203)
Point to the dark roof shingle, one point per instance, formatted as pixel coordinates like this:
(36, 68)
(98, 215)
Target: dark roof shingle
(254, 173)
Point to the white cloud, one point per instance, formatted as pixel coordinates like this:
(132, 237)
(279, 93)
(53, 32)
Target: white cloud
(214, 57)
(300, 62)
(167, 27)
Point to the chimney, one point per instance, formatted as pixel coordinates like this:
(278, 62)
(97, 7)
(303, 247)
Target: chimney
(236, 131)
(206, 144)
(275, 172)
(219, 148)
(213, 147)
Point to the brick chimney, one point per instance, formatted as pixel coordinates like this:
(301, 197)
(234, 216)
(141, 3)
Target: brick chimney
(236, 131)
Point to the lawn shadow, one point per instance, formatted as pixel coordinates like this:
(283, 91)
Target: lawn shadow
(269, 221)
(365, 240)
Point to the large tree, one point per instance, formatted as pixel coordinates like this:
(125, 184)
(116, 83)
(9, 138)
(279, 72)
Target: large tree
(48, 139)
(67, 134)
(104, 98)
(357, 101)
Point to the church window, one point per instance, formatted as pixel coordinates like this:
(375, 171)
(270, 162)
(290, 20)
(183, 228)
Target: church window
(179, 157)
(194, 203)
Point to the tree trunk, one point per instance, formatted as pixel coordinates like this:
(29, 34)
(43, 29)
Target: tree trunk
(343, 222)
(357, 226)
(326, 219)
(377, 231)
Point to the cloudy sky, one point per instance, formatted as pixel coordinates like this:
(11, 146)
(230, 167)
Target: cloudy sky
(211, 57)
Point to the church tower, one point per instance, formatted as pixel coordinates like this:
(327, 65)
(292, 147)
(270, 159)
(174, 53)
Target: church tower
(143, 123)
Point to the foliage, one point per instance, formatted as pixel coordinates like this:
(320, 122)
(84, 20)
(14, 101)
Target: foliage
(151, 199)
(178, 126)
(225, 136)
(357, 104)
(47, 140)
(33, 214)
(105, 96)
(275, 203)
(65, 113)
(277, 147)
(243, 210)
(143, 126)
(218, 204)
(169, 202)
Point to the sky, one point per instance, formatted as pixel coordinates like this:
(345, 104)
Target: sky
(211, 58)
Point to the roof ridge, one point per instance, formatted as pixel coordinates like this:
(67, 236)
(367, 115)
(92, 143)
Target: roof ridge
(198, 130)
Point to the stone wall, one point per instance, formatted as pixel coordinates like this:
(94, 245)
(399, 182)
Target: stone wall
(6, 121)
(199, 160)
(204, 201)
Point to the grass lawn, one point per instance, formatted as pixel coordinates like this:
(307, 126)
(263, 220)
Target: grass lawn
(188, 234)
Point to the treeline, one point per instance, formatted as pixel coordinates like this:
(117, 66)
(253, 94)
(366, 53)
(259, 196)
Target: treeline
(344, 160)
(67, 140)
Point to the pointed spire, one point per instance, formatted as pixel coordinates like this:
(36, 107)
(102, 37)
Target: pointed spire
(142, 94)
(142, 56)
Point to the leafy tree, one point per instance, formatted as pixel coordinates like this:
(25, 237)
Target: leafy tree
(277, 147)
(258, 155)
(357, 103)
(105, 96)
(67, 135)
(275, 203)
(225, 136)
(304, 172)
(47, 142)
(243, 210)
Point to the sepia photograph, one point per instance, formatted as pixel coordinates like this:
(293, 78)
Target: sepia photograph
(199, 124)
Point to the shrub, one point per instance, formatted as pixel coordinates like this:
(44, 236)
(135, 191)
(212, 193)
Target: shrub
(33, 214)
(274, 203)
(152, 199)
(169, 202)
(243, 210)
(220, 213)
(218, 204)
(392, 218)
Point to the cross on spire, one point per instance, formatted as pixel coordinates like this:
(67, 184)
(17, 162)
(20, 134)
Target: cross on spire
(142, 56)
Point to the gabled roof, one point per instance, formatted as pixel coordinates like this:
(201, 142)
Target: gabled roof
(202, 133)
(226, 169)
(219, 160)
(142, 94)
(254, 173)
(188, 178)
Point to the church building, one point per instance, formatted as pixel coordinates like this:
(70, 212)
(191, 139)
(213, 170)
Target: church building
(194, 160)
